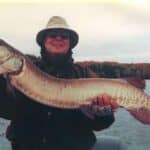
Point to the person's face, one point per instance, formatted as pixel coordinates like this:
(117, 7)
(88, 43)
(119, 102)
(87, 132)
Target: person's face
(57, 42)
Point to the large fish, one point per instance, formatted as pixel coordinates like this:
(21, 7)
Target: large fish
(69, 93)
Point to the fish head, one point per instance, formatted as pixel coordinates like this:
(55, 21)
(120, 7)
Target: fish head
(9, 61)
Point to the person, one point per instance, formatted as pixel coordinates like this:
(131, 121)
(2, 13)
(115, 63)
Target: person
(39, 127)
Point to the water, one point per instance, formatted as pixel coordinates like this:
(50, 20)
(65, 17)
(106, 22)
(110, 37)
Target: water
(135, 135)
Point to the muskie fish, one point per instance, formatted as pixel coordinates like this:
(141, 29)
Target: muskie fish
(69, 93)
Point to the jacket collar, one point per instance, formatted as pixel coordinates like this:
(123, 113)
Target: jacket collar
(56, 62)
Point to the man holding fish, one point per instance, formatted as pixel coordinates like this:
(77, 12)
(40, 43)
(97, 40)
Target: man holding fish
(38, 127)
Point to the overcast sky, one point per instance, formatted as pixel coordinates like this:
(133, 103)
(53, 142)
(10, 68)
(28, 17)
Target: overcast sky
(119, 31)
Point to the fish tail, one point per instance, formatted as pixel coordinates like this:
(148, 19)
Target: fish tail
(142, 114)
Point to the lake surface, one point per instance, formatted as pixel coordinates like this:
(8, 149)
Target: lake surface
(135, 134)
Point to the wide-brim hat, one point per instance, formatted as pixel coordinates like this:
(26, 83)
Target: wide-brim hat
(57, 23)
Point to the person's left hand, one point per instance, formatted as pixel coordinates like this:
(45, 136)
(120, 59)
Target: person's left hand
(102, 106)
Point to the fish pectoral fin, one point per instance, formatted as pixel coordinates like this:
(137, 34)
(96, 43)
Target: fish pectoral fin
(142, 114)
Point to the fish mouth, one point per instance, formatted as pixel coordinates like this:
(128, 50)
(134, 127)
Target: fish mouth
(4, 54)
(3, 60)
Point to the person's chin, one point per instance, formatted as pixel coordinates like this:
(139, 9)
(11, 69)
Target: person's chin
(58, 52)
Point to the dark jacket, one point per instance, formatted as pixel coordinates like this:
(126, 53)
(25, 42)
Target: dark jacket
(31, 121)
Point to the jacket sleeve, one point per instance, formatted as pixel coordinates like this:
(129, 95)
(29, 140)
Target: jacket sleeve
(96, 124)
(75, 118)
(7, 105)
(100, 123)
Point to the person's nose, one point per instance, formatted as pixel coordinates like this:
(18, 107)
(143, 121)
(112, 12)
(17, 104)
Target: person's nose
(58, 37)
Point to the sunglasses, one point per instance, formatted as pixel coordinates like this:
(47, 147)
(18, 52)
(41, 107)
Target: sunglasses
(54, 34)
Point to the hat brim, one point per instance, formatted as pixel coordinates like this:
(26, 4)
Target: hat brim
(42, 34)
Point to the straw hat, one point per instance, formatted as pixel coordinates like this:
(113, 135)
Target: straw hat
(57, 23)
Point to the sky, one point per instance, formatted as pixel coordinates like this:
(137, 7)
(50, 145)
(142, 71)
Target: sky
(118, 31)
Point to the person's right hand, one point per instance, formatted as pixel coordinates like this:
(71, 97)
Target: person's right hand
(102, 106)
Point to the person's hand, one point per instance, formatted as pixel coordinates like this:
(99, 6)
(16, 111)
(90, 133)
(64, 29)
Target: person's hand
(102, 106)
(137, 82)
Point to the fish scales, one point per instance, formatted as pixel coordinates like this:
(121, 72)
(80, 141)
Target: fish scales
(72, 93)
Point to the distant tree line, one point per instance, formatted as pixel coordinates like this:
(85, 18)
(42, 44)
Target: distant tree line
(118, 70)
